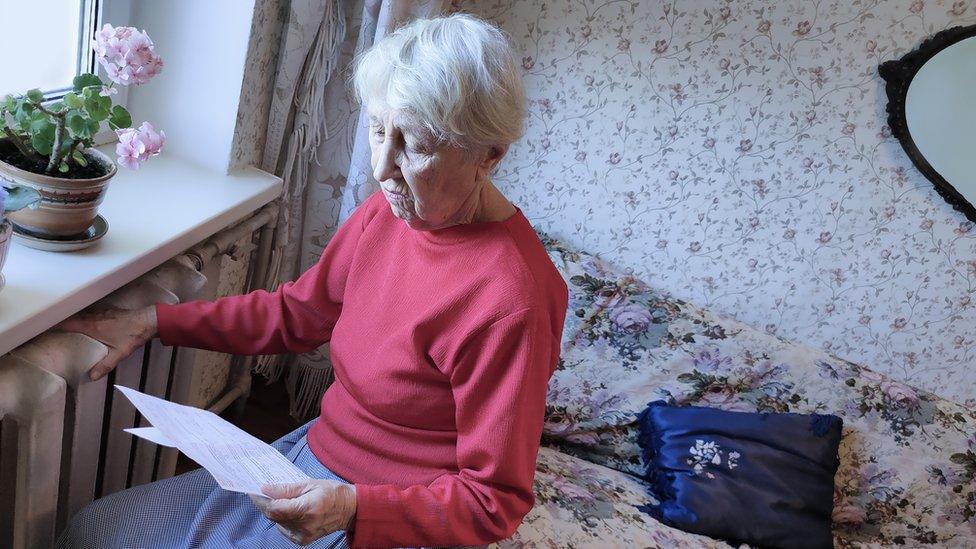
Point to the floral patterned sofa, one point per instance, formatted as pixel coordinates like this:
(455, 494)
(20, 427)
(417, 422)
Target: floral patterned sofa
(908, 458)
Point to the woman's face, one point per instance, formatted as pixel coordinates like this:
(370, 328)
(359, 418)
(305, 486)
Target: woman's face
(428, 185)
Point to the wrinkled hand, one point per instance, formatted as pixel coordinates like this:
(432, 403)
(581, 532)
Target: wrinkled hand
(122, 331)
(306, 511)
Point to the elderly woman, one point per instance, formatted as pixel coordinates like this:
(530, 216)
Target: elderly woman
(444, 314)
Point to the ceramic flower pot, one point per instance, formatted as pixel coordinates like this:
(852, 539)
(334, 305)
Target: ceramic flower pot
(68, 206)
(6, 232)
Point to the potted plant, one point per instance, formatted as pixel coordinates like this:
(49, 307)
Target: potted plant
(12, 198)
(49, 147)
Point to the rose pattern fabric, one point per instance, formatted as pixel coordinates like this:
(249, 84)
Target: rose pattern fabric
(908, 457)
(583, 505)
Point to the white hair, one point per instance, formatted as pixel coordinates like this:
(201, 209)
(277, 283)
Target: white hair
(456, 75)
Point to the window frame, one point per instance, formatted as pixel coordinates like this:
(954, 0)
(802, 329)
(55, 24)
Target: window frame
(94, 14)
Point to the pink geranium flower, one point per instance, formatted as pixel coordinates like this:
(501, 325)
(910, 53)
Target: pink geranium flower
(138, 145)
(127, 54)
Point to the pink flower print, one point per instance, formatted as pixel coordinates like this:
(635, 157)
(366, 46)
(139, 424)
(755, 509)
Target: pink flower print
(724, 397)
(580, 156)
(865, 320)
(824, 237)
(586, 31)
(677, 93)
(694, 247)
(818, 77)
(871, 46)
(661, 46)
(848, 129)
(760, 185)
(724, 12)
(528, 63)
(802, 28)
(964, 301)
(709, 142)
(916, 6)
(662, 244)
(900, 394)
(926, 224)
(788, 234)
(745, 145)
(724, 63)
(588, 80)
(614, 158)
(764, 26)
(848, 514)
(957, 9)
(963, 228)
(631, 319)
(623, 44)
(899, 323)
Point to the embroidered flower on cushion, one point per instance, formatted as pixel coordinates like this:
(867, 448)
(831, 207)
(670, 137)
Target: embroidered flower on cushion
(707, 454)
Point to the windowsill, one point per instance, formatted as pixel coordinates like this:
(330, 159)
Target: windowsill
(153, 213)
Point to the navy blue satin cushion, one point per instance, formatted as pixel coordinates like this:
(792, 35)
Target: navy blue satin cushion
(765, 479)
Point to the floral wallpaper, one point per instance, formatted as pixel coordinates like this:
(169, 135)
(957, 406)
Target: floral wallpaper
(736, 154)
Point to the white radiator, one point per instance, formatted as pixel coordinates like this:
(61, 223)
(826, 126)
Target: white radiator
(61, 435)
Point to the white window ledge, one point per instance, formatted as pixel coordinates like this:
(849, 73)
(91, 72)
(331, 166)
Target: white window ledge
(153, 214)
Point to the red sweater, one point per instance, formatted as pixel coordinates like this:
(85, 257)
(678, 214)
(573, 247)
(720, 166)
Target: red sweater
(443, 343)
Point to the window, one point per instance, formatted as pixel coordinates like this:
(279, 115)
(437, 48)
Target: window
(45, 44)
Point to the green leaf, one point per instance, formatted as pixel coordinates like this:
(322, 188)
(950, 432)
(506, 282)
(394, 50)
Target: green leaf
(20, 197)
(72, 100)
(98, 114)
(63, 168)
(35, 95)
(43, 141)
(93, 126)
(120, 118)
(80, 158)
(104, 102)
(38, 121)
(85, 80)
(77, 124)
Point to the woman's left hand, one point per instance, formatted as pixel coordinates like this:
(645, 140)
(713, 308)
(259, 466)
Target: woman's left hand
(306, 511)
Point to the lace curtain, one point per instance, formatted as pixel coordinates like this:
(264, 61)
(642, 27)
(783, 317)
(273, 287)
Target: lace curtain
(317, 142)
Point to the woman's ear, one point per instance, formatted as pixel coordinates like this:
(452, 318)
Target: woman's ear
(493, 156)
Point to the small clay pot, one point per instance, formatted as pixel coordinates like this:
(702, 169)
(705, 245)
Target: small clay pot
(68, 206)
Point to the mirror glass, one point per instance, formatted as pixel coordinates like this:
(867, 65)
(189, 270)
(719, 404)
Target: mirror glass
(940, 112)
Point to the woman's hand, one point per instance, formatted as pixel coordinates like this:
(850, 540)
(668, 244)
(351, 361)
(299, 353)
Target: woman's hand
(122, 331)
(306, 511)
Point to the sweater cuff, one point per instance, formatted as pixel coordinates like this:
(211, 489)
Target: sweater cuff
(165, 322)
(371, 520)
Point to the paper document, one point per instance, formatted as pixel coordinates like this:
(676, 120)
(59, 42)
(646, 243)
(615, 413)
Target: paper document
(238, 461)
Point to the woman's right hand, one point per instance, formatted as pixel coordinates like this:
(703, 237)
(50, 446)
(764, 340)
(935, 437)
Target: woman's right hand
(121, 330)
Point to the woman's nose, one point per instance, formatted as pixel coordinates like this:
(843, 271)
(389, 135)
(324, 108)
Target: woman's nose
(386, 167)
